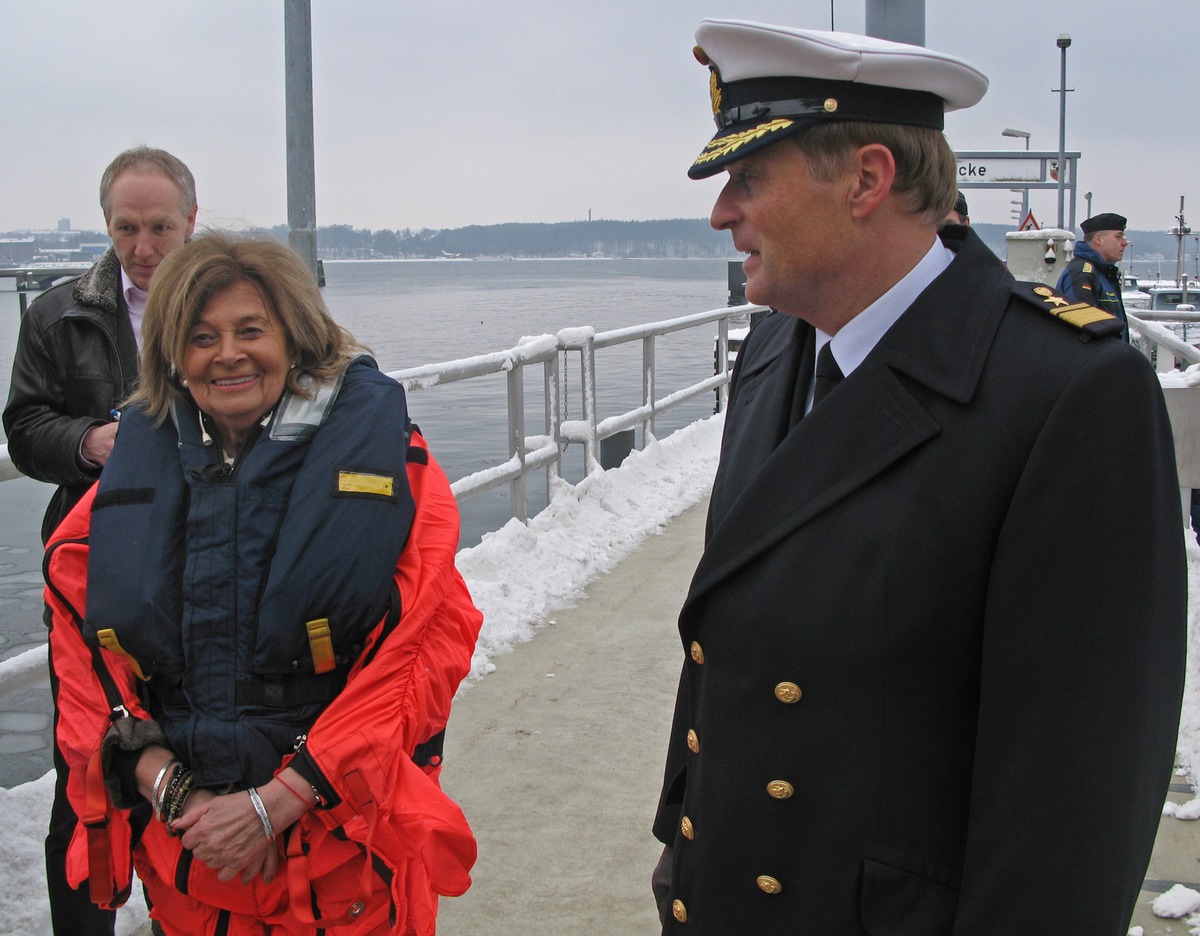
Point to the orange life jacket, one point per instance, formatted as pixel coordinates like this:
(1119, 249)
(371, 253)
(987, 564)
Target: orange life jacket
(390, 840)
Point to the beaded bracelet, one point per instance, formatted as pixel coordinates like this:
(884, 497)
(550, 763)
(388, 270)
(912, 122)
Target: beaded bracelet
(259, 808)
(178, 790)
(154, 798)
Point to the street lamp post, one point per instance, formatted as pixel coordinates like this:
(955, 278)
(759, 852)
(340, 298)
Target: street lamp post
(1020, 135)
(1087, 196)
(1064, 43)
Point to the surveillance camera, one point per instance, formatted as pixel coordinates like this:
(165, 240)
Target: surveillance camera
(1051, 256)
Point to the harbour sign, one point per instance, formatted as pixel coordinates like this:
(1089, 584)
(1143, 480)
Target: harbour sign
(1007, 169)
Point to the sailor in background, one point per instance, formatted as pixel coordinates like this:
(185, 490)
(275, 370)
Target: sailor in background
(932, 658)
(1092, 275)
(958, 214)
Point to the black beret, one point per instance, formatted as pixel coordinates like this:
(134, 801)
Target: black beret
(960, 205)
(1102, 222)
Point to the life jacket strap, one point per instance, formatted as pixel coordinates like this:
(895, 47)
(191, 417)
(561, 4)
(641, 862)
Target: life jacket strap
(101, 886)
(360, 802)
(320, 643)
(108, 640)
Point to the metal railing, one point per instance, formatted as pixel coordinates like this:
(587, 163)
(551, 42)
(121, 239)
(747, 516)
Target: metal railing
(1167, 351)
(530, 453)
(1162, 347)
(527, 453)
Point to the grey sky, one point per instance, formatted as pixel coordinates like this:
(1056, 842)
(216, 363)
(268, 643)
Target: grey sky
(478, 112)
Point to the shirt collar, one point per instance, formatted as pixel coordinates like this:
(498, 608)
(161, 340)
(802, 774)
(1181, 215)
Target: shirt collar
(133, 294)
(135, 302)
(858, 337)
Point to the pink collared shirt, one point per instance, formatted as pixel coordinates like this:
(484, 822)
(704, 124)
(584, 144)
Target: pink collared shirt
(135, 301)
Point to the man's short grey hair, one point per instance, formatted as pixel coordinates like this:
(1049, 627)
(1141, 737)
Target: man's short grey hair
(144, 158)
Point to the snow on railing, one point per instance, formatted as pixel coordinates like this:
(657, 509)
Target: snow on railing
(24, 671)
(1155, 339)
(527, 453)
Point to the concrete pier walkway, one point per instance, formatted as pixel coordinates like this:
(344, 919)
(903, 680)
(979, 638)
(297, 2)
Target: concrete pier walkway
(557, 759)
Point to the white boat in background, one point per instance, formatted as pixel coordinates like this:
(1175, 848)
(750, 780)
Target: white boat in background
(1157, 293)
(1133, 296)
(1173, 297)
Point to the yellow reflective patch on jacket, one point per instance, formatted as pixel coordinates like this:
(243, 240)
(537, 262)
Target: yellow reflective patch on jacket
(320, 643)
(362, 482)
(108, 640)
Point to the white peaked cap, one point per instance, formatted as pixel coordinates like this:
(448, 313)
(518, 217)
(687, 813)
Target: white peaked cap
(769, 82)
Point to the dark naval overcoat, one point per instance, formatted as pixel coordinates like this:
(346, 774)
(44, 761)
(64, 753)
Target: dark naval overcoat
(934, 649)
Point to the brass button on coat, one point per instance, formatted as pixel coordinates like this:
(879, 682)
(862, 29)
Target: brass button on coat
(697, 653)
(780, 789)
(788, 692)
(768, 884)
(686, 827)
(693, 741)
(678, 910)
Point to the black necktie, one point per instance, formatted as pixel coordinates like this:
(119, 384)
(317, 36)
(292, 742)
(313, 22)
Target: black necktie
(828, 374)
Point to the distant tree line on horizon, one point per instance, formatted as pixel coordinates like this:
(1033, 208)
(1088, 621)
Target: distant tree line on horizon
(677, 238)
(672, 238)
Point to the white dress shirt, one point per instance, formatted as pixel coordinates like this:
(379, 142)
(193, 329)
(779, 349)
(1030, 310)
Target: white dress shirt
(855, 340)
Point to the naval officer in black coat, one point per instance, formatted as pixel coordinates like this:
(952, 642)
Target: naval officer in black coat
(934, 650)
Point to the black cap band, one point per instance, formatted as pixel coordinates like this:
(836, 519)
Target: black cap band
(757, 100)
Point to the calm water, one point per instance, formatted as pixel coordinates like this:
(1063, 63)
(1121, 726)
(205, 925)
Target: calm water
(411, 313)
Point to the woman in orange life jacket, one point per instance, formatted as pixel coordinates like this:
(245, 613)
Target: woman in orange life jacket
(274, 627)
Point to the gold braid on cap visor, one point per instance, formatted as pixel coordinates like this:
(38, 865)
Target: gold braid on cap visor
(719, 148)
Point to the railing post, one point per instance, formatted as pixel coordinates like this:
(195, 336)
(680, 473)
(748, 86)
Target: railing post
(587, 368)
(552, 385)
(648, 388)
(723, 359)
(516, 438)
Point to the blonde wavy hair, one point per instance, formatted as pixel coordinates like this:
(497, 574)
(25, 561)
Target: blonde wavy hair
(196, 271)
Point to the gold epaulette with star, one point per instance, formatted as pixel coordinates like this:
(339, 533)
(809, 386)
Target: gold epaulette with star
(1089, 320)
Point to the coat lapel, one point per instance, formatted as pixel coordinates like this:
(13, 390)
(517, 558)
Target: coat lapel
(763, 395)
(875, 416)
